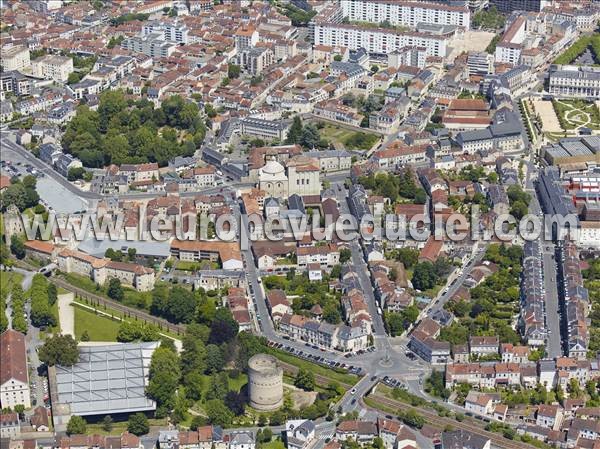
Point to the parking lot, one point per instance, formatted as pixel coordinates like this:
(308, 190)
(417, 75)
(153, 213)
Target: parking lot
(52, 194)
(320, 359)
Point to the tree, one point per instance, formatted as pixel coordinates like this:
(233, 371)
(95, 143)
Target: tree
(345, 255)
(233, 71)
(52, 294)
(218, 414)
(295, 131)
(181, 306)
(236, 402)
(115, 291)
(163, 379)
(408, 256)
(138, 424)
(107, 423)
(59, 350)
(76, 426)
(224, 328)
(129, 331)
(17, 247)
(310, 136)
(85, 336)
(424, 276)
(75, 173)
(305, 379)
(214, 359)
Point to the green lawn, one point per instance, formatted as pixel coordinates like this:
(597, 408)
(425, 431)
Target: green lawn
(99, 327)
(354, 140)
(574, 113)
(6, 281)
(275, 444)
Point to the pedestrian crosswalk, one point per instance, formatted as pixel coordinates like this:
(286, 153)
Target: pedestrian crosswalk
(326, 434)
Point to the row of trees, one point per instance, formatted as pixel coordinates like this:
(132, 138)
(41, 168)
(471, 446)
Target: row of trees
(43, 297)
(18, 317)
(126, 131)
(591, 42)
(137, 424)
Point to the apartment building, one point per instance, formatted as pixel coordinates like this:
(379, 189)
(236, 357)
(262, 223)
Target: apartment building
(151, 45)
(14, 376)
(52, 67)
(139, 172)
(336, 111)
(377, 40)
(256, 59)
(480, 63)
(227, 253)
(15, 57)
(265, 129)
(510, 46)
(406, 13)
(574, 81)
(172, 32)
(324, 256)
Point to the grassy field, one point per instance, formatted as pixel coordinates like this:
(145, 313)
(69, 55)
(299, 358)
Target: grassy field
(133, 298)
(336, 375)
(98, 327)
(275, 444)
(6, 281)
(353, 140)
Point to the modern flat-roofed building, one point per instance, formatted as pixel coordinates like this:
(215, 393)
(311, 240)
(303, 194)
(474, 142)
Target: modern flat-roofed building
(265, 129)
(406, 13)
(14, 58)
(52, 67)
(377, 40)
(107, 380)
(151, 45)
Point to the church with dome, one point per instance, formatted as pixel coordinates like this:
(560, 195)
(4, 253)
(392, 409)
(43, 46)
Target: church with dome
(299, 176)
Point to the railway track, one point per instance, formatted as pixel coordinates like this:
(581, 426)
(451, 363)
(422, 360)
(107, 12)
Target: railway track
(115, 305)
(442, 422)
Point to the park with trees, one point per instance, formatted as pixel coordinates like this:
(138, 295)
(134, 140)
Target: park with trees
(123, 130)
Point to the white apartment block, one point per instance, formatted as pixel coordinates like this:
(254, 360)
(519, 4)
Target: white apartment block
(406, 13)
(151, 45)
(14, 58)
(52, 67)
(172, 32)
(510, 46)
(377, 40)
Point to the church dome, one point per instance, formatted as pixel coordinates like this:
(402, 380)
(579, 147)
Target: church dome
(273, 168)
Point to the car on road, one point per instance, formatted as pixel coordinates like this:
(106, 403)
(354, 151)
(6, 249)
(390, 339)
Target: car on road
(353, 391)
